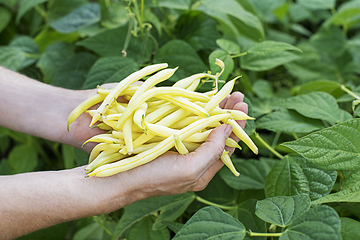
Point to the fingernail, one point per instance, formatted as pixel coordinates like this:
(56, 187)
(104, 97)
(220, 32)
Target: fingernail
(228, 129)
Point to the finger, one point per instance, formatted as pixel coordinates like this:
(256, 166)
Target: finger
(234, 98)
(241, 106)
(210, 151)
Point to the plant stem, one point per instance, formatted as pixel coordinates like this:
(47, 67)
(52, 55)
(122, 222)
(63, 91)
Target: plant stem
(348, 91)
(214, 204)
(252, 234)
(41, 12)
(238, 55)
(268, 146)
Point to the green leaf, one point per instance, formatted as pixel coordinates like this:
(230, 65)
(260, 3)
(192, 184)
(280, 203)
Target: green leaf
(143, 230)
(226, 58)
(331, 40)
(318, 86)
(350, 194)
(217, 191)
(53, 58)
(263, 89)
(346, 17)
(333, 148)
(25, 5)
(319, 222)
(350, 229)
(252, 173)
(23, 158)
(288, 121)
(229, 46)
(211, 222)
(49, 36)
(317, 4)
(11, 57)
(282, 210)
(59, 9)
(321, 181)
(5, 17)
(247, 24)
(198, 29)
(170, 207)
(250, 125)
(255, 62)
(286, 178)
(29, 47)
(95, 230)
(318, 105)
(180, 4)
(73, 72)
(56, 232)
(5, 168)
(83, 16)
(173, 226)
(266, 47)
(180, 53)
(245, 213)
(116, 16)
(111, 43)
(109, 70)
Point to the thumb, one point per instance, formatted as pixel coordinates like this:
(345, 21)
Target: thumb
(211, 150)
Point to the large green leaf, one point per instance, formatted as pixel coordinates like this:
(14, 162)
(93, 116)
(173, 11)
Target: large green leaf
(59, 9)
(248, 24)
(111, 43)
(211, 223)
(286, 178)
(25, 5)
(180, 53)
(23, 158)
(255, 62)
(288, 121)
(73, 72)
(319, 222)
(198, 29)
(144, 230)
(327, 86)
(170, 208)
(331, 40)
(245, 213)
(229, 46)
(266, 47)
(29, 47)
(282, 210)
(5, 17)
(318, 105)
(53, 57)
(350, 229)
(253, 173)
(263, 89)
(109, 70)
(350, 194)
(11, 57)
(333, 148)
(83, 16)
(317, 4)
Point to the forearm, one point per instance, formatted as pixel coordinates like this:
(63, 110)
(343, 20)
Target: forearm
(33, 201)
(35, 108)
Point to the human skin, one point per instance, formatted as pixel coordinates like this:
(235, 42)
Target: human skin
(32, 201)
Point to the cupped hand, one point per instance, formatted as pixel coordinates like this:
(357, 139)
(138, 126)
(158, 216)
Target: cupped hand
(173, 173)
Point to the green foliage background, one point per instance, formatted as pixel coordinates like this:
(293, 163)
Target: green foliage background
(300, 66)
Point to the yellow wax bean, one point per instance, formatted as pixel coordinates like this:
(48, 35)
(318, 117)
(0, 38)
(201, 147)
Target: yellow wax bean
(225, 158)
(240, 133)
(83, 107)
(179, 145)
(151, 154)
(158, 92)
(122, 85)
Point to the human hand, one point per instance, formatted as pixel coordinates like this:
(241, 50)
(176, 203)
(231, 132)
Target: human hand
(173, 173)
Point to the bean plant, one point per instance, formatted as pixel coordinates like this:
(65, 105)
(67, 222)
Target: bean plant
(299, 63)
